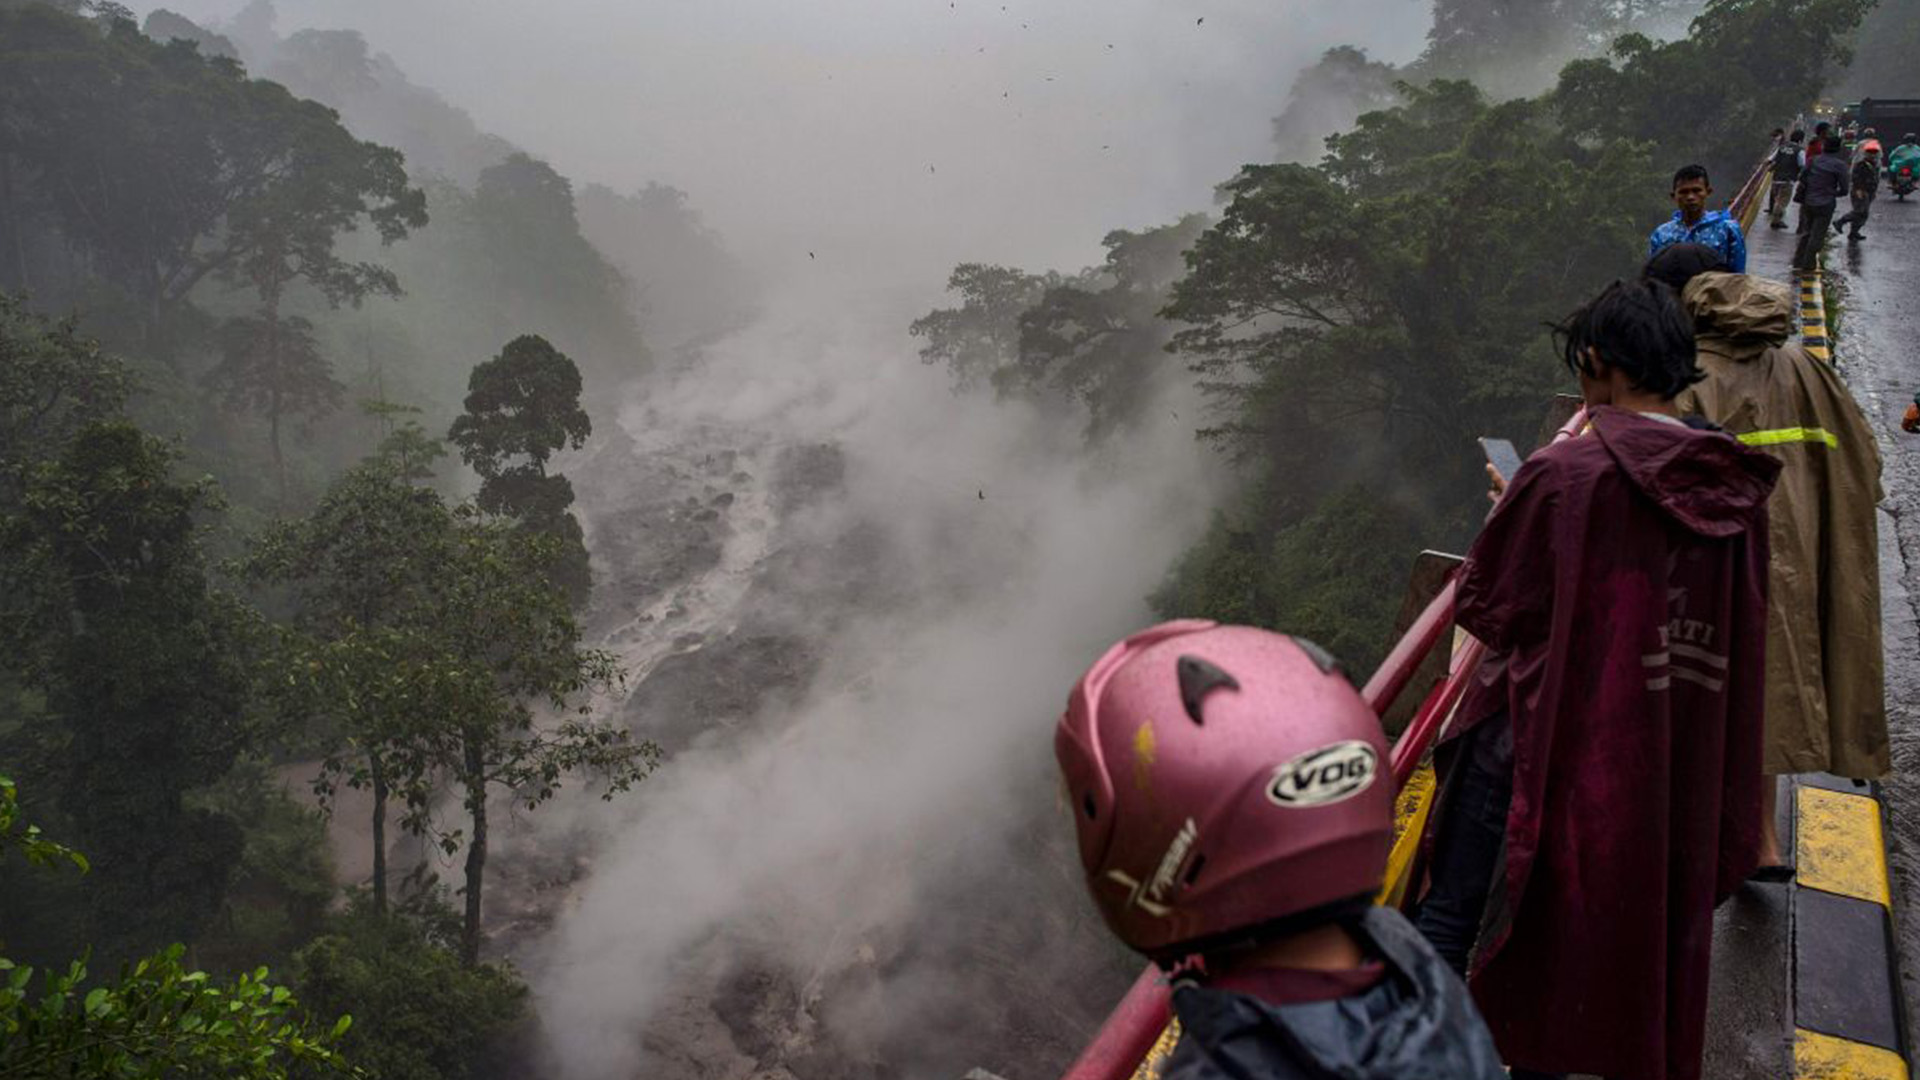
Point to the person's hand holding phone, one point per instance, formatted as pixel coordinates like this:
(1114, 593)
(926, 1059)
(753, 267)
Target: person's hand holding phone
(1502, 462)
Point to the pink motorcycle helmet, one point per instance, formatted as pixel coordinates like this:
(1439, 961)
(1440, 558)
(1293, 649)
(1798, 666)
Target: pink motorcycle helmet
(1227, 783)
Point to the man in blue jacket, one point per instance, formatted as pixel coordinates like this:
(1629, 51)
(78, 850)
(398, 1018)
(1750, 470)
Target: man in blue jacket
(1693, 223)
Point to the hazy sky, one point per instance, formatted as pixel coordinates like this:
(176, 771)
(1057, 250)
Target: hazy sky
(908, 134)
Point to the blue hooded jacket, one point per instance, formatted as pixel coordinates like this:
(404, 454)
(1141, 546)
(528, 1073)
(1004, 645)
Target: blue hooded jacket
(1416, 1023)
(1715, 229)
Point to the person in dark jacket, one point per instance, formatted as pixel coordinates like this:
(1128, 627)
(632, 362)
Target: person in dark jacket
(1814, 148)
(1789, 158)
(1609, 794)
(1827, 176)
(1234, 807)
(1865, 188)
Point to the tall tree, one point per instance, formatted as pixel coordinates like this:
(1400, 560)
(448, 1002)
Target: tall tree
(359, 569)
(1099, 340)
(522, 406)
(508, 642)
(538, 267)
(167, 166)
(1746, 67)
(143, 667)
(273, 365)
(286, 235)
(1327, 98)
(980, 339)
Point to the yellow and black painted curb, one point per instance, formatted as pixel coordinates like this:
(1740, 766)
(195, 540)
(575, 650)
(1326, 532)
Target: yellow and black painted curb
(1813, 316)
(1847, 1015)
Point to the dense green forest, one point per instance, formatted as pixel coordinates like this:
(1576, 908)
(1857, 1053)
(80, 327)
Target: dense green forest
(290, 352)
(1356, 323)
(235, 550)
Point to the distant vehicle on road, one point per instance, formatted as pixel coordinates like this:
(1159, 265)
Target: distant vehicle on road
(1887, 116)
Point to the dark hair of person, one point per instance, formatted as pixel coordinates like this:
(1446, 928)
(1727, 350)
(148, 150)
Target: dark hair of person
(1821, 129)
(1833, 144)
(1798, 136)
(1677, 264)
(1777, 132)
(1691, 172)
(1639, 328)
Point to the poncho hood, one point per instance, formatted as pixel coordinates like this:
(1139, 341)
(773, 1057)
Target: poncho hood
(1741, 309)
(1704, 480)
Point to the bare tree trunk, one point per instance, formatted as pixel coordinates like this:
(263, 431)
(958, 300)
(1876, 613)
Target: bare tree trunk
(476, 785)
(379, 834)
(23, 281)
(270, 308)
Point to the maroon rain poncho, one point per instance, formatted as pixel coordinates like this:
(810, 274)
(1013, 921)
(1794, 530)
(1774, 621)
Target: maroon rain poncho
(1622, 584)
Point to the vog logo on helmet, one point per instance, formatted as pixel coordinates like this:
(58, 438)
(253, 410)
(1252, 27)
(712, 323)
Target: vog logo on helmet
(1328, 775)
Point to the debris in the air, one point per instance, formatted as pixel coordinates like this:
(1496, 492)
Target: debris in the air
(1199, 20)
(983, 494)
(809, 254)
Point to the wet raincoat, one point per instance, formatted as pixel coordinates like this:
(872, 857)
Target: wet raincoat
(1416, 1023)
(1826, 708)
(1622, 582)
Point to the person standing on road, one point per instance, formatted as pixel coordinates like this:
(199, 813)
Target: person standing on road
(1693, 223)
(1910, 423)
(1827, 176)
(1234, 807)
(1789, 157)
(1865, 187)
(1815, 147)
(1608, 796)
(1825, 673)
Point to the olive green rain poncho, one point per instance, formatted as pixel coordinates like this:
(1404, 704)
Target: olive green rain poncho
(1826, 708)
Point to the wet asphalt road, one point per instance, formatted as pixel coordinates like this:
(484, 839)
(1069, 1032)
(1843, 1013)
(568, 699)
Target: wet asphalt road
(1878, 350)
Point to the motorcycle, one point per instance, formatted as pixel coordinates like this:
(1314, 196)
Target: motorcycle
(1904, 181)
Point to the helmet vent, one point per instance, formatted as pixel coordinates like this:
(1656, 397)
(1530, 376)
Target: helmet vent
(1086, 803)
(1198, 678)
(1321, 658)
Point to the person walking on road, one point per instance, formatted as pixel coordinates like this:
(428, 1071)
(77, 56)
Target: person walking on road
(1789, 158)
(1608, 795)
(1814, 148)
(1825, 674)
(1693, 223)
(1233, 802)
(1865, 187)
(1910, 423)
(1827, 176)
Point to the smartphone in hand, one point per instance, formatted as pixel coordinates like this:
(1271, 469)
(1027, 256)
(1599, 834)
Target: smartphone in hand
(1502, 456)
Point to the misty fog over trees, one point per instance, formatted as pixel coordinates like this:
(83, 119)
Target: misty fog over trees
(336, 434)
